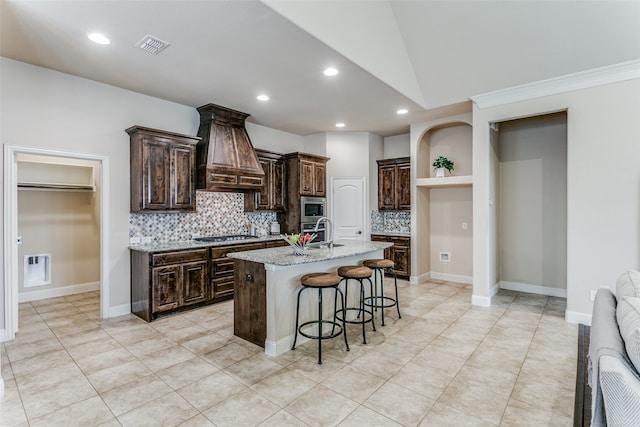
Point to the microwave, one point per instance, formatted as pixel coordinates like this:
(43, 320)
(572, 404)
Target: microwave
(312, 208)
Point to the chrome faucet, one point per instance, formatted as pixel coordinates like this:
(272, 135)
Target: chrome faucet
(329, 231)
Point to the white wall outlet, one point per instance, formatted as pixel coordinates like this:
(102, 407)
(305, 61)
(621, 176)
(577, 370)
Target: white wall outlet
(465, 226)
(146, 240)
(134, 240)
(592, 294)
(445, 256)
(195, 235)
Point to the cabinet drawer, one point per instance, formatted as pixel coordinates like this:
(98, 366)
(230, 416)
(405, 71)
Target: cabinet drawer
(167, 258)
(221, 252)
(223, 286)
(223, 267)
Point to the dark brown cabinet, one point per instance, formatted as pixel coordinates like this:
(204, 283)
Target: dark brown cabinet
(167, 281)
(162, 166)
(222, 270)
(250, 302)
(306, 174)
(399, 253)
(394, 184)
(271, 197)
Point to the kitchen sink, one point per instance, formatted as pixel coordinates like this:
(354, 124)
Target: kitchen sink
(322, 245)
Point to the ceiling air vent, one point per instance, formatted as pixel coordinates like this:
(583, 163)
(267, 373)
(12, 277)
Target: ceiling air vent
(152, 44)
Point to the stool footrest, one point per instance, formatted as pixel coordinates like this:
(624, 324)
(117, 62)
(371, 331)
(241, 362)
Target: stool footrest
(336, 325)
(341, 315)
(380, 302)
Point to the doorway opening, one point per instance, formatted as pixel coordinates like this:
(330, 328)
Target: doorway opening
(27, 202)
(531, 164)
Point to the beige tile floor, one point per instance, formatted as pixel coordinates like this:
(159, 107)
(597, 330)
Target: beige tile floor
(445, 363)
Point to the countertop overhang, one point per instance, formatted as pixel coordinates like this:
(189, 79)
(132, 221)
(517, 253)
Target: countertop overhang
(283, 256)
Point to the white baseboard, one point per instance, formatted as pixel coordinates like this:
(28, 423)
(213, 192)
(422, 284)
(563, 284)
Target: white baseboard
(481, 301)
(118, 310)
(468, 280)
(1, 388)
(533, 289)
(576, 317)
(4, 336)
(276, 348)
(58, 292)
(414, 280)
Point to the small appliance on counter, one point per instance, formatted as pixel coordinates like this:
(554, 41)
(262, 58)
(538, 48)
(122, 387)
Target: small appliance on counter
(274, 228)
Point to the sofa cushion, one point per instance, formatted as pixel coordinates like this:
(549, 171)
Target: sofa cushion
(628, 316)
(628, 285)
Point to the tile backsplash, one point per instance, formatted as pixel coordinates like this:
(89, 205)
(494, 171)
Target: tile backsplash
(217, 214)
(391, 222)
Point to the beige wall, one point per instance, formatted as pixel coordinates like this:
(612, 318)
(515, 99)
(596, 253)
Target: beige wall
(603, 187)
(532, 201)
(46, 109)
(397, 146)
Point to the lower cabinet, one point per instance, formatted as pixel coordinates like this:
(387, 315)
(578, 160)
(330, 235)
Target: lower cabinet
(162, 282)
(399, 253)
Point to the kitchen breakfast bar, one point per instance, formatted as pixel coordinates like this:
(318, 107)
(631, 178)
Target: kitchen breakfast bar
(267, 282)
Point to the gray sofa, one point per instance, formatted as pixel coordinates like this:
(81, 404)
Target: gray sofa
(614, 354)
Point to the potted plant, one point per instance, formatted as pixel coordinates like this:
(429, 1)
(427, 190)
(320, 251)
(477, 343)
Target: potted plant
(440, 164)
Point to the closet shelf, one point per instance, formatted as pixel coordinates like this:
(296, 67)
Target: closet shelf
(448, 181)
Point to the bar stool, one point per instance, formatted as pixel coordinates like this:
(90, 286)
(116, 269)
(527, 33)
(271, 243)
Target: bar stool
(321, 281)
(379, 266)
(358, 273)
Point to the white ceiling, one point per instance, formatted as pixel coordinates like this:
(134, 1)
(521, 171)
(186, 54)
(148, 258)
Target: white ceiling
(419, 55)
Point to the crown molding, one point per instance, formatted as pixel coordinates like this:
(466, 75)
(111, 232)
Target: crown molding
(581, 80)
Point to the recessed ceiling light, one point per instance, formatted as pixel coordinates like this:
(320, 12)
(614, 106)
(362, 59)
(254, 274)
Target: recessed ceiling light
(99, 38)
(262, 98)
(339, 125)
(330, 72)
(402, 111)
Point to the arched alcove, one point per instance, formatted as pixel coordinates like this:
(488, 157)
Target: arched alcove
(444, 206)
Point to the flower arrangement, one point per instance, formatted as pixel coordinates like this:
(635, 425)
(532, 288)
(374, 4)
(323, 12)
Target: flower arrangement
(299, 242)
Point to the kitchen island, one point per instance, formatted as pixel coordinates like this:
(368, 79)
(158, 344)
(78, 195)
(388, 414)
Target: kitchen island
(267, 282)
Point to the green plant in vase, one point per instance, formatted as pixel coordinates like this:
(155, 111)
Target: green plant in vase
(440, 164)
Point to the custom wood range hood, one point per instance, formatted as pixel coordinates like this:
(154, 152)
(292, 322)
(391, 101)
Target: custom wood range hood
(225, 158)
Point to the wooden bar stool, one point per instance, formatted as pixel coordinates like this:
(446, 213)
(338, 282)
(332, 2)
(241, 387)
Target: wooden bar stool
(321, 281)
(381, 301)
(358, 273)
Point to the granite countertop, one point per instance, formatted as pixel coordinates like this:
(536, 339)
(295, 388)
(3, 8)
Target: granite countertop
(391, 233)
(283, 256)
(193, 244)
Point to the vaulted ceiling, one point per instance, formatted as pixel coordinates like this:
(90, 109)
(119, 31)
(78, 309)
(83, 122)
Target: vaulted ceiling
(418, 55)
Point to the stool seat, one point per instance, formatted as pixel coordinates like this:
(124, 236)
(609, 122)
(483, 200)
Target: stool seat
(378, 263)
(354, 272)
(318, 280)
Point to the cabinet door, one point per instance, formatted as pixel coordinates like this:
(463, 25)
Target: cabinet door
(250, 302)
(403, 183)
(387, 187)
(307, 178)
(401, 258)
(278, 186)
(183, 177)
(155, 174)
(262, 197)
(319, 179)
(194, 282)
(166, 282)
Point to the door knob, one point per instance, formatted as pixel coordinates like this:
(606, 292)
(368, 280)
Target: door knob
(359, 232)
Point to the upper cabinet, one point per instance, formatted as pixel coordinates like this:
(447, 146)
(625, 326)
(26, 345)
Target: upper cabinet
(307, 173)
(271, 197)
(162, 171)
(394, 189)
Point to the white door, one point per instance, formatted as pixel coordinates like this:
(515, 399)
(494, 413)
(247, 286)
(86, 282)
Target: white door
(348, 210)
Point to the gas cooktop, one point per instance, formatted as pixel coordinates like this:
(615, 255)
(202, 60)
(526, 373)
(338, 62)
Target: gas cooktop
(224, 238)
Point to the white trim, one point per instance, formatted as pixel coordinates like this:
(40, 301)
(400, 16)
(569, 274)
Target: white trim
(276, 348)
(119, 310)
(533, 289)
(467, 280)
(414, 280)
(4, 336)
(1, 388)
(58, 291)
(481, 301)
(10, 227)
(576, 81)
(577, 317)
